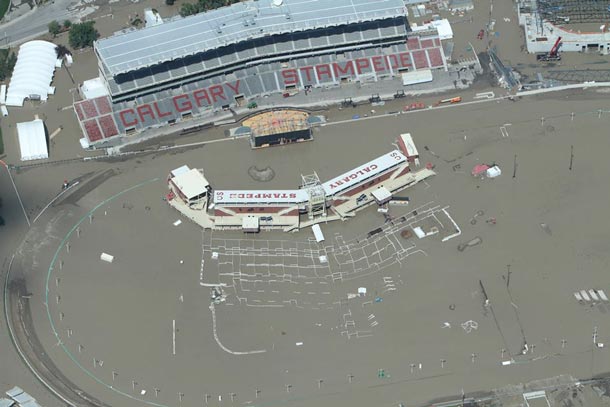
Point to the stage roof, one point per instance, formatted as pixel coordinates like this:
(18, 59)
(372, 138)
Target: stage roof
(132, 50)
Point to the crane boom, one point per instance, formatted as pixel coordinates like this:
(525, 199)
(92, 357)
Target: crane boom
(553, 54)
(555, 48)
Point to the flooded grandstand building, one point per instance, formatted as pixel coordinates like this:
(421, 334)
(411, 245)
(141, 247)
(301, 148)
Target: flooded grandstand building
(313, 202)
(194, 66)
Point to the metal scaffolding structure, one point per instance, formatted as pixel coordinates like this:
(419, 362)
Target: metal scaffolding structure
(574, 11)
(317, 197)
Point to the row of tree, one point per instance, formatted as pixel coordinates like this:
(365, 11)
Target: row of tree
(188, 9)
(81, 35)
(56, 28)
(7, 63)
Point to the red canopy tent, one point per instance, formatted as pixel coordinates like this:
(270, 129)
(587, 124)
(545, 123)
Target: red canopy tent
(479, 169)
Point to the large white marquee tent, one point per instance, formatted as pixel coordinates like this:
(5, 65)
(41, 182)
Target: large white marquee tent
(32, 140)
(33, 73)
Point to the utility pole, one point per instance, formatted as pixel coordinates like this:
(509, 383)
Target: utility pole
(515, 167)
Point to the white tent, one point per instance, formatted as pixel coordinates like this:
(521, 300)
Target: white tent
(32, 140)
(93, 88)
(317, 232)
(33, 73)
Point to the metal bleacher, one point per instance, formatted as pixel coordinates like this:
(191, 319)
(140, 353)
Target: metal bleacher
(233, 57)
(262, 79)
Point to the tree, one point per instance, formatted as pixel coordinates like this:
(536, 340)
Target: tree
(82, 35)
(8, 60)
(54, 28)
(188, 9)
(170, 2)
(67, 24)
(61, 51)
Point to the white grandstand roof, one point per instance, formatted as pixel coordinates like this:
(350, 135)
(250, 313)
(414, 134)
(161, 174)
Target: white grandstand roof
(260, 197)
(366, 171)
(176, 39)
(33, 72)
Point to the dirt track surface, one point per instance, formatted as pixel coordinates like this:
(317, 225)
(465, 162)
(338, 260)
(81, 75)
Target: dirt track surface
(27, 340)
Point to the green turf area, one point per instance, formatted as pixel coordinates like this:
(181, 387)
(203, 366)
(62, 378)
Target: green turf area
(4, 7)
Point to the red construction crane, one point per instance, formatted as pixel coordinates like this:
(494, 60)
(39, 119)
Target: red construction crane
(554, 51)
(552, 55)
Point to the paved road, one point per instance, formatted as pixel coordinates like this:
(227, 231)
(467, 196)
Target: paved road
(15, 31)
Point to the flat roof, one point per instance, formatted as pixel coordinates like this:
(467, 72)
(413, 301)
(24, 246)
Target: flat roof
(191, 183)
(22, 398)
(181, 37)
(261, 197)
(250, 223)
(415, 77)
(381, 194)
(180, 170)
(15, 391)
(6, 402)
(365, 171)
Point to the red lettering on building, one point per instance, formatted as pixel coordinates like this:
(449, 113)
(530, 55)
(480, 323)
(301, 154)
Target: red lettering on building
(353, 176)
(235, 87)
(348, 68)
(185, 105)
(393, 61)
(201, 94)
(405, 60)
(290, 76)
(145, 110)
(160, 114)
(323, 70)
(217, 91)
(126, 123)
